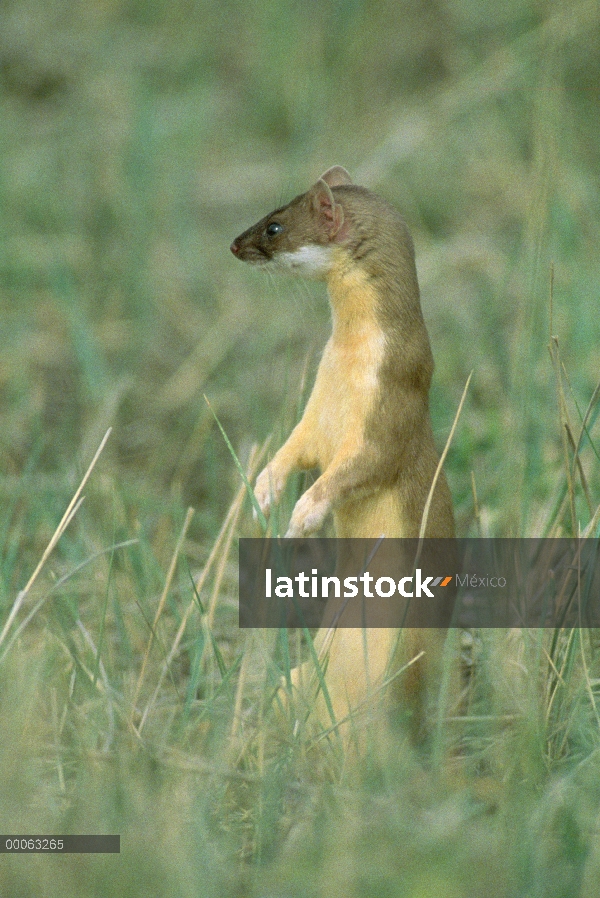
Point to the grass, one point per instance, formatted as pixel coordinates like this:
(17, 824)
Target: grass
(137, 139)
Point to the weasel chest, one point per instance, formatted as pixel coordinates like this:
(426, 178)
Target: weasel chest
(345, 392)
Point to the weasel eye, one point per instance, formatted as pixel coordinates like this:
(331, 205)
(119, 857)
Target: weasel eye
(274, 229)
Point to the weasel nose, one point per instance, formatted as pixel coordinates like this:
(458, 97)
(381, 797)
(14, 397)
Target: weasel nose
(235, 248)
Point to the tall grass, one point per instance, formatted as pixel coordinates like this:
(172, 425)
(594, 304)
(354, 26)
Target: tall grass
(137, 139)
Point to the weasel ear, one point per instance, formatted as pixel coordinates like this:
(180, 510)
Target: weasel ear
(336, 176)
(329, 214)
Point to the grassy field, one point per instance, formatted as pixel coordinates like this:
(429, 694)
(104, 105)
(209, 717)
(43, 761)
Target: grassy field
(136, 140)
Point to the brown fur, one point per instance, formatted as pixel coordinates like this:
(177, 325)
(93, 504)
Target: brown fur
(366, 425)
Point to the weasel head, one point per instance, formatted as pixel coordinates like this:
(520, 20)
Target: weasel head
(302, 236)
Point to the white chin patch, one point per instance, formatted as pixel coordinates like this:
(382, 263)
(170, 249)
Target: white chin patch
(308, 260)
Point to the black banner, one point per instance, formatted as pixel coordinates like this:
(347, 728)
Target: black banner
(60, 844)
(431, 583)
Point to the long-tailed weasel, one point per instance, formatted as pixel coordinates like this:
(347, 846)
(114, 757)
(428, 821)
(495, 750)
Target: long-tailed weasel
(366, 425)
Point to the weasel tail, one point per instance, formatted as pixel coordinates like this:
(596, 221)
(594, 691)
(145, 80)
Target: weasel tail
(366, 425)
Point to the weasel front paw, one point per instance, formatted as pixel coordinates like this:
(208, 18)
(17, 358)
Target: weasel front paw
(267, 490)
(308, 516)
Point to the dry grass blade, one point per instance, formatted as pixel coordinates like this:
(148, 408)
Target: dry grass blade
(565, 426)
(577, 463)
(163, 599)
(476, 509)
(64, 523)
(221, 546)
(60, 582)
(591, 527)
(592, 403)
(438, 470)
(587, 679)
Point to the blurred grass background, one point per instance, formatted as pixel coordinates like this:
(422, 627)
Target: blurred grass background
(136, 140)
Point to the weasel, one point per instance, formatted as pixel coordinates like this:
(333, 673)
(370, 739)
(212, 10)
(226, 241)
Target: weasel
(366, 425)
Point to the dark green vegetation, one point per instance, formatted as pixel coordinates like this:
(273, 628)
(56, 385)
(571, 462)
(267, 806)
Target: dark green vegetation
(136, 140)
